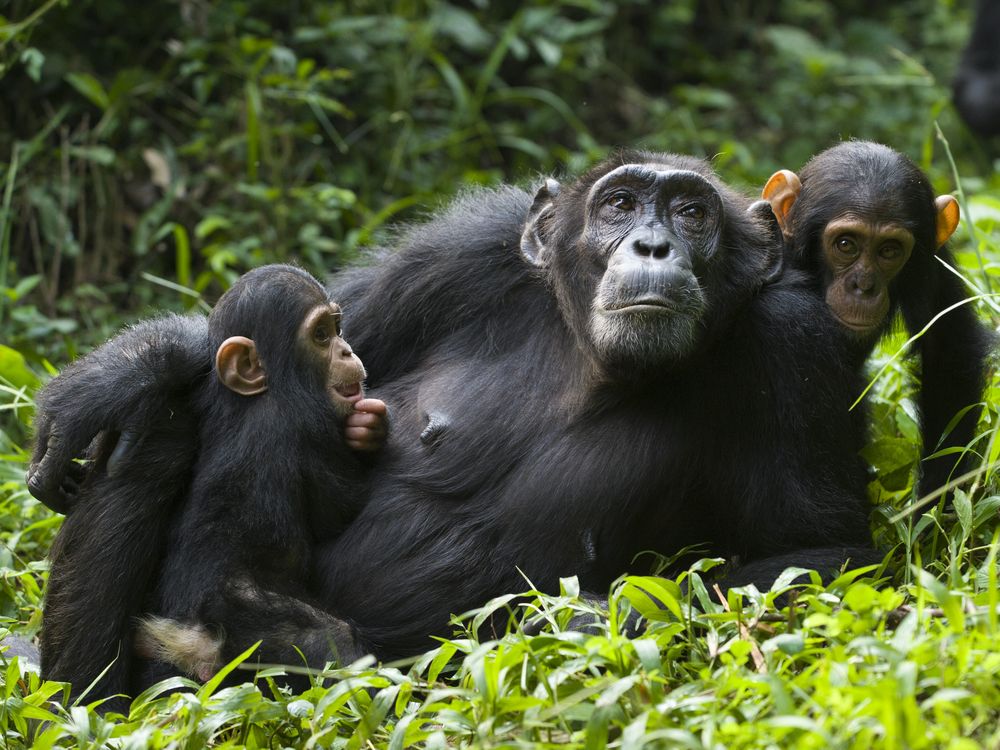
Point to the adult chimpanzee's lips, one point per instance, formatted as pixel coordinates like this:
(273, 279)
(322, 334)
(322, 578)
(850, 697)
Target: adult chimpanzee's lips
(642, 304)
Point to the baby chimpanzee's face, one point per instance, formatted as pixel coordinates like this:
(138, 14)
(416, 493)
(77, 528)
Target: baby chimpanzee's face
(320, 333)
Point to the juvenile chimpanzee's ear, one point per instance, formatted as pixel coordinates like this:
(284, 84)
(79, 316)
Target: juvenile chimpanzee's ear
(533, 238)
(947, 217)
(781, 191)
(239, 366)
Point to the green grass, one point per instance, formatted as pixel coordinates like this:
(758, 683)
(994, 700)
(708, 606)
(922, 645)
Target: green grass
(908, 661)
(847, 666)
(299, 134)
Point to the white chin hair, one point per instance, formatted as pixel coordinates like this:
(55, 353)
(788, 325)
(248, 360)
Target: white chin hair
(642, 340)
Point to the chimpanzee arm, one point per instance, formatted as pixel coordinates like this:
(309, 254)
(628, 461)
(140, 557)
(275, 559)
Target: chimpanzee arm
(953, 353)
(123, 384)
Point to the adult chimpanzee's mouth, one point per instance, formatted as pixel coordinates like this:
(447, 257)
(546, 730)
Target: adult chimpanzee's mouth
(643, 304)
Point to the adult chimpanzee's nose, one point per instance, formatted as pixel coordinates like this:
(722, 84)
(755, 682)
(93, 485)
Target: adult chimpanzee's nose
(651, 242)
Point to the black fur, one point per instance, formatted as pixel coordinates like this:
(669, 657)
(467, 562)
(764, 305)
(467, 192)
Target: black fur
(875, 181)
(548, 460)
(273, 479)
(247, 486)
(551, 465)
(105, 558)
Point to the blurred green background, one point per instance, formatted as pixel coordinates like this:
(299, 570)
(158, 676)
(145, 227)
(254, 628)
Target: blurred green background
(180, 142)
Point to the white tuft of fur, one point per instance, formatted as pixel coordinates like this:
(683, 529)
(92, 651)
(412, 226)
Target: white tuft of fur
(191, 648)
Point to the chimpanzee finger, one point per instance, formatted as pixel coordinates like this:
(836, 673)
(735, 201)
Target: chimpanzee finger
(76, 475)
(122, 451)
(45, 475)
(77, 472)
(371, 406)
(362, 419)
(363, 439)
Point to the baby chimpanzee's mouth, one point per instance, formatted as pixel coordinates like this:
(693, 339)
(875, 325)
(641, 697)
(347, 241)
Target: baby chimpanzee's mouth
(349, 390)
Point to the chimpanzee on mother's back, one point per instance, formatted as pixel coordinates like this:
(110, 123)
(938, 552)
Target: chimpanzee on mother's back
(580, 375)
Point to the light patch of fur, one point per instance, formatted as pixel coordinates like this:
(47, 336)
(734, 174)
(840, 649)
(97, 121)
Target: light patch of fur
(191, 648)
(630, 339)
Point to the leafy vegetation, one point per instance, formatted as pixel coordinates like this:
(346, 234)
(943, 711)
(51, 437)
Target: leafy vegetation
(149, 155)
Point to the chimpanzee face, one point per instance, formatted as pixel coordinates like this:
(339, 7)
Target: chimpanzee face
(654, 230)
(323, 347)
(859, 213)
(861, 257)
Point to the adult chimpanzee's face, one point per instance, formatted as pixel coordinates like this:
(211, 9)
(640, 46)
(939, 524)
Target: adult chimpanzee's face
(654, 228)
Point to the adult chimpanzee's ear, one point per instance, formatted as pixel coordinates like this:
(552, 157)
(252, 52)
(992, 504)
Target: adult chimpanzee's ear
(239, 366)
(533, 238)
(781, 191)
(947, 217)
(774, 260)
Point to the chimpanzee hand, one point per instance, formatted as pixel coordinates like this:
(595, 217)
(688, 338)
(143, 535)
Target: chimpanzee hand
(365, 429)
(53, 476)
(122, 386)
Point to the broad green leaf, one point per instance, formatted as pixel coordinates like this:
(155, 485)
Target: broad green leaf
(14, 369)
(90, 87)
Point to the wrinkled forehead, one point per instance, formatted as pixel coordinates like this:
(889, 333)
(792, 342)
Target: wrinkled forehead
(654, 176)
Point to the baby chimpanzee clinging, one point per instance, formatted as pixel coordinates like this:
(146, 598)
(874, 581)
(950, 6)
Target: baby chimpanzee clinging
(272, 476)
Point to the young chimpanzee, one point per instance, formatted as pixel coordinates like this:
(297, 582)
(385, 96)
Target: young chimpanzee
(863, 220)
(272, 476)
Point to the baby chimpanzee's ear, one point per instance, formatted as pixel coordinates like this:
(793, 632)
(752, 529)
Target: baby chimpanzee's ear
(239, 367)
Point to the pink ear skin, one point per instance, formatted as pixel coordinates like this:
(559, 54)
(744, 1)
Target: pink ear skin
(781, 191)
(239, 367)
(947, 218)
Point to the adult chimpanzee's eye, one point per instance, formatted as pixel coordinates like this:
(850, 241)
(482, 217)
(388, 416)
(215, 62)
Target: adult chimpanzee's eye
(693, 211)
(622, 200)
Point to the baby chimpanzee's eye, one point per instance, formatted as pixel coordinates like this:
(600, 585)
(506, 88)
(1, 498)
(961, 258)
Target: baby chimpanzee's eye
(321, 334)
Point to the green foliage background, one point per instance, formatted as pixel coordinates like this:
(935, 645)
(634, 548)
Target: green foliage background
(150, 153)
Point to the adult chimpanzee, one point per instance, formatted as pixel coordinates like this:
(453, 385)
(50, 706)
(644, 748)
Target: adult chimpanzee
(865, 223)
(272, 478)
(976, 88)
(612, 375)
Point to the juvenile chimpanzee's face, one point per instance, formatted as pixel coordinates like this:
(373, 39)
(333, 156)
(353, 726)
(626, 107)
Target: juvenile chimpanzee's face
(654, 228)
(344, 373)
(862, 256)
(858, 214)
